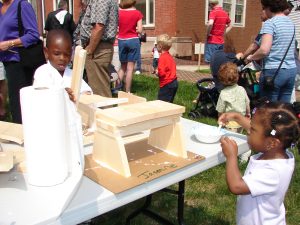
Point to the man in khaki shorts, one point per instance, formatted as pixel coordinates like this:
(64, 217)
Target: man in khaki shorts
(97, 31)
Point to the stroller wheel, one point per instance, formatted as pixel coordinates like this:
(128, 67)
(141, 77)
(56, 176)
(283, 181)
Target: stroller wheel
(192, 115)
(198, 114)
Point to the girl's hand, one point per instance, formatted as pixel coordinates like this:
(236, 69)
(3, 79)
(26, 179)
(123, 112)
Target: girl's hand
(71, 94)
(229, 147)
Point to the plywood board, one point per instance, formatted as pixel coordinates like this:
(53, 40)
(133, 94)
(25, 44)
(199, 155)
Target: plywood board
(134, 113)
(11, 132)
(146, 163)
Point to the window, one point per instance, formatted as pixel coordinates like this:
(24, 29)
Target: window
(236, 10)
(70, 5)
(147, 9)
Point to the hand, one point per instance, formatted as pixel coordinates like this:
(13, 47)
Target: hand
(89, 52)
(229, 147)
(71, 94)
(239, 55)
(86, 93)
(4, 45)
(224, 118)
(257, 76)
(249, 58)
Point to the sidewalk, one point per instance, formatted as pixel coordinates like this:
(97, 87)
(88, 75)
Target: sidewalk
(186, 71)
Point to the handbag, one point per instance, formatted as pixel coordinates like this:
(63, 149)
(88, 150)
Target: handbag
(268, 80)
(32, 56)
(143, 37)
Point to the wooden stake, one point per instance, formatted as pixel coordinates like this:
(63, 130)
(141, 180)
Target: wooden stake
(78, 67)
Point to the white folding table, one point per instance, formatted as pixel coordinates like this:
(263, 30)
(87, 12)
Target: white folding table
(23, 204)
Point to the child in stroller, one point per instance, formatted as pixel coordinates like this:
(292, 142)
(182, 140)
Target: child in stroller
(209, 91)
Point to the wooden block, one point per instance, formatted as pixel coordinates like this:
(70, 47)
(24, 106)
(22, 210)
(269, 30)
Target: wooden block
(6, 161)
(139, 112)
(132, 99)
(11, 132)
(169, 139)
(100, 101)
(109, 151)
(138, 127)
(123, 125)
(89, 104)
(78, 67)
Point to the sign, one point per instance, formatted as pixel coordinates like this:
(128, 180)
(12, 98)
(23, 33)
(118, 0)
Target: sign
(199, 48)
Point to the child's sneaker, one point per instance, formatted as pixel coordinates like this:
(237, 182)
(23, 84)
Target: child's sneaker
(137, 72)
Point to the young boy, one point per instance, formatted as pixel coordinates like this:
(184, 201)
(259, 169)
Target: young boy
(233, 98)
(56, 72)
(166, 71)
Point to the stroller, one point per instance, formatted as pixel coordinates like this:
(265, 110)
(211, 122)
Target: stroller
(208, 93)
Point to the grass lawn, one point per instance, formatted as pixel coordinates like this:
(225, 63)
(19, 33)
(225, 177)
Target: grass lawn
(204, 71)
(207, 199)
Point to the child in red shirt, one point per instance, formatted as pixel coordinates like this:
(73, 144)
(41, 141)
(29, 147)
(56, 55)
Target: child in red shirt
(166, 71)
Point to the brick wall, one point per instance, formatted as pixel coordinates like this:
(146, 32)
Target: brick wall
(165, 22)
(186, 18)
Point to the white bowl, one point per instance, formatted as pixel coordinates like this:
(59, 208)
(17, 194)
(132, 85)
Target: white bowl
(208, 134)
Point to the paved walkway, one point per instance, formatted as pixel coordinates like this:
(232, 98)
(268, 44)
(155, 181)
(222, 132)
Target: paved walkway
(186, 70)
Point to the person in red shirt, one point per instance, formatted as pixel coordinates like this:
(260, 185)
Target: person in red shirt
(130, 26)
(166, 70)
(218, 24)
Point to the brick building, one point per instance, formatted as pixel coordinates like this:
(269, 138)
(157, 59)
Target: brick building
(184, 20)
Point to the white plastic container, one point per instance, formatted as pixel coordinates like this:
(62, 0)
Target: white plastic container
(208, 134)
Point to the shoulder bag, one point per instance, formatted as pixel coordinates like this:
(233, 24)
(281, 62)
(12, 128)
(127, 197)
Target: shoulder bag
(143, 37)
(268, 81)
(32, 56)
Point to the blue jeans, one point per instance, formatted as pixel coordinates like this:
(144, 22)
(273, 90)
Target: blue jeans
(129, 50)
(210, 49)
(283, 84)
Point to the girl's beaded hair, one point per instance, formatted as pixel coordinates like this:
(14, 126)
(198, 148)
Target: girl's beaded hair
(281, 120)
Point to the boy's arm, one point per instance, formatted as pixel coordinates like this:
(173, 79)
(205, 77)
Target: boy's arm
(161, 67)
(234, 179)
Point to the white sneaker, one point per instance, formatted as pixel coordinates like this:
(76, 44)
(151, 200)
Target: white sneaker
(137, 72)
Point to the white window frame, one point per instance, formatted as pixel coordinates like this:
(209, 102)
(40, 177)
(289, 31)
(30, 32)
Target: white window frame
(147, 16)
(232, 13)
(70, 3)
(148, 24)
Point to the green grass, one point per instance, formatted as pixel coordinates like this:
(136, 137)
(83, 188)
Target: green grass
(207, 199)
(204, 71)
